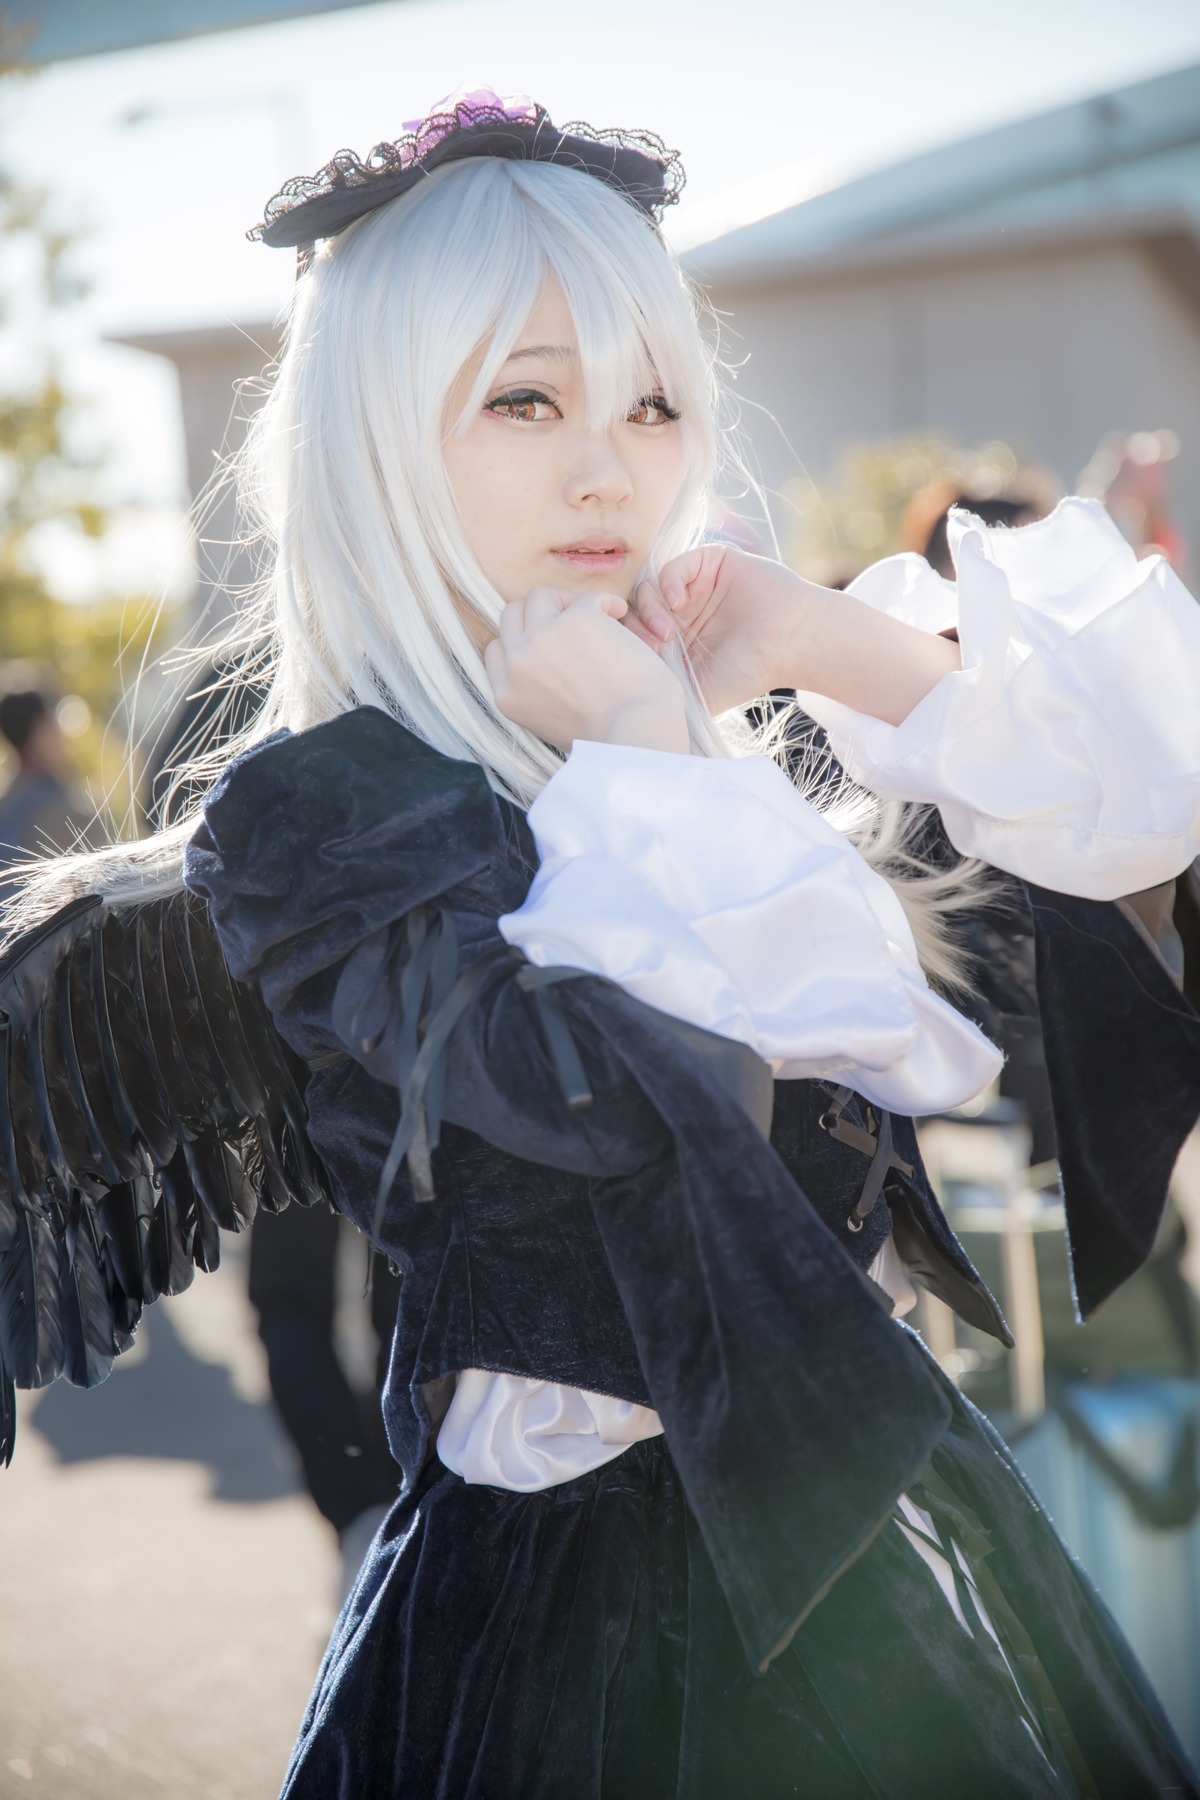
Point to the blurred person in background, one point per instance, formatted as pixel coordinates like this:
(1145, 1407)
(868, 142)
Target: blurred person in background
(39, 809)
(612, 1036)
(923, 525)
(1131, 473)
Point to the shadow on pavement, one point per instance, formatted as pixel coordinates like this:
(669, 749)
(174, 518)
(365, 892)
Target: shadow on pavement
(173, 1406)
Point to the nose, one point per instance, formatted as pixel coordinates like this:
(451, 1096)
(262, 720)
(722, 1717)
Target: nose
(598, 472)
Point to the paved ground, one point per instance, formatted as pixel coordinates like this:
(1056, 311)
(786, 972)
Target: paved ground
(165, 1588)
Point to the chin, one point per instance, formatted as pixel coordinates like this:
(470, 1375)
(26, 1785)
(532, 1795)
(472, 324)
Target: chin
(597, 581)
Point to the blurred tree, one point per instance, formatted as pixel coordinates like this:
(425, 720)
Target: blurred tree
(48, 486)
(858, 513)
(42, 479)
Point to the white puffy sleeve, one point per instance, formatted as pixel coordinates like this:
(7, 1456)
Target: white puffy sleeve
(712, 890)
(1067, 749)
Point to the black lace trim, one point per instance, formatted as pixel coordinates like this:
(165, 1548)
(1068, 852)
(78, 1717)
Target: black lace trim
(639, 164)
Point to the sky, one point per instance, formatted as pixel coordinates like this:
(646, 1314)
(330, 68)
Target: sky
(162, 157)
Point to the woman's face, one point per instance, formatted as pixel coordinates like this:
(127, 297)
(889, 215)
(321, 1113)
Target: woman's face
(546, 501)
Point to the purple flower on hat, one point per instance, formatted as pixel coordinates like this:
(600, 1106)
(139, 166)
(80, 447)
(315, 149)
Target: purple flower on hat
(464, 106)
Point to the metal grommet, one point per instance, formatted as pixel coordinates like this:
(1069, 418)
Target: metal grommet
(854, 1223)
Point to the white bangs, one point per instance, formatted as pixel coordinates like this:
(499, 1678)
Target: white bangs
(634, 317)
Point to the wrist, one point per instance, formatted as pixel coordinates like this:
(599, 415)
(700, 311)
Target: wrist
(803, 650)
(866, 660)
(652, 724)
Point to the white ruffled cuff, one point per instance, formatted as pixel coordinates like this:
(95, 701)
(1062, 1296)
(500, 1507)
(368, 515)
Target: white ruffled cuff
(1067, 749)
(712, 890)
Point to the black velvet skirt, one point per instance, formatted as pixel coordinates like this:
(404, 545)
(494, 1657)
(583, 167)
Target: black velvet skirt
(574, 1645)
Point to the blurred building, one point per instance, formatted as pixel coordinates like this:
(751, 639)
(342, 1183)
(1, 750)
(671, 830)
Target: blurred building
(1039, 283)
(212, 363)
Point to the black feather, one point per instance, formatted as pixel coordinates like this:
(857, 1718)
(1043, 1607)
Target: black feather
(200, 1229)
(261, 1079)
(31, 1341)
(191, 1032)
(121, 1120)
(12, 1190)
(205, 1239)
(89, 1337)
(109, 1103)
(8, 1416)
(132, 1040)
(76, 1047)
(124, 1213)
(183, 1093)
(126, 1307)
(219, 1180)
(27, 980)
(32, 1050)
(286, 1117)
(217, 1013)
(169, 1264)
(70, 1124)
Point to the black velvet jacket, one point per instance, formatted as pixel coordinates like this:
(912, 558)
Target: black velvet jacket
(654, 1245)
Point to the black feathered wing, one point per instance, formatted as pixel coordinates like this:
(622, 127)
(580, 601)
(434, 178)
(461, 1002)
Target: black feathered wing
(146, 1104)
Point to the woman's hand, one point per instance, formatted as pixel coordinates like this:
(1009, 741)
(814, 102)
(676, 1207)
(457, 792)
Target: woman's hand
(742, 618)
(564, 668)
(750, 625)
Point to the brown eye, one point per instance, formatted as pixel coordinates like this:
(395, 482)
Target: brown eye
(653, 409)
(523, 408)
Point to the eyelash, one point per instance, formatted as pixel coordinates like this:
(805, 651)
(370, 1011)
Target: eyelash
(661, 405)
(532, 397)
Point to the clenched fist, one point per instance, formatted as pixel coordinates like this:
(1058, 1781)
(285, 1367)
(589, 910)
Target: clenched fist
(565, 668)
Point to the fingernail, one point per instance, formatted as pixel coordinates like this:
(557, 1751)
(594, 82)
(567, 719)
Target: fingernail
(665, 629)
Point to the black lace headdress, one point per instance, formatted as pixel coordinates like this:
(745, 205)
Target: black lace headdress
(477, 123)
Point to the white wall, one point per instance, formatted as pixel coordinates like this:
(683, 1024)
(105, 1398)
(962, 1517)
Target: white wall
(1048, 350)
(211, 363)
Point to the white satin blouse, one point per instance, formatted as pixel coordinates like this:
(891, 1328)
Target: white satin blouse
(1066, 751)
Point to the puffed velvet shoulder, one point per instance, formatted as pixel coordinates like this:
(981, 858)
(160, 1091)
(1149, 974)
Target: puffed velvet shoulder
(331, 833)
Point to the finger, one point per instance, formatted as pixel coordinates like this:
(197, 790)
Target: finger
(512, 623)
(612, 604)
(654, 614)
(495, 664)
(676, 578)
(631, 622)
(544, 604)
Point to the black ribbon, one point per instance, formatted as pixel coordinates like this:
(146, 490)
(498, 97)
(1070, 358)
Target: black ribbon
(432, 997)
(878, 1145)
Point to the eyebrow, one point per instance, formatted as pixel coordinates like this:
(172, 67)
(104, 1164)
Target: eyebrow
(554, 352)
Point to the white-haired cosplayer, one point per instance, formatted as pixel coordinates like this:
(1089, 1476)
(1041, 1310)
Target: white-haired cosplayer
(607, 1014)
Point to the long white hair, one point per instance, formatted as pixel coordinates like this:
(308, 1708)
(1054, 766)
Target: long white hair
(343, 484)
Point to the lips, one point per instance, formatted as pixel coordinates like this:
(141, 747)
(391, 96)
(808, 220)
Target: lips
(600, 552)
